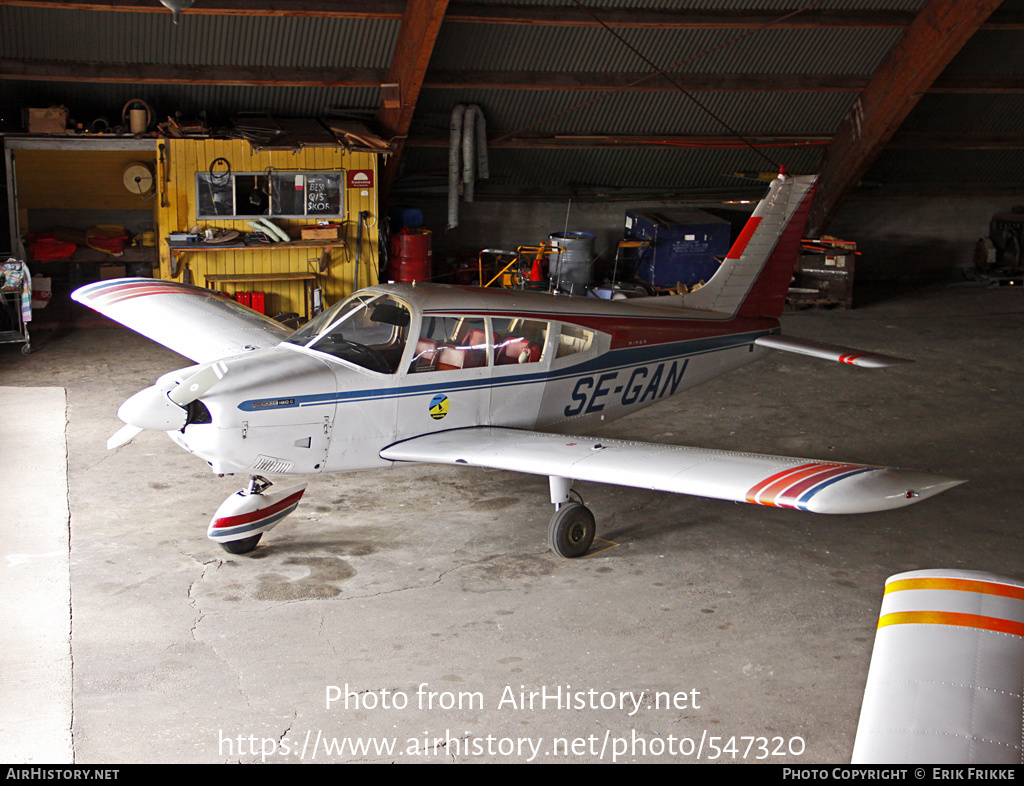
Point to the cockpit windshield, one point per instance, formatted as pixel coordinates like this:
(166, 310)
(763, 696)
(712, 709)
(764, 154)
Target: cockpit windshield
(367, 329)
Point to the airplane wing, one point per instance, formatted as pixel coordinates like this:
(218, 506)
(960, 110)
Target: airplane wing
(194, 322)
(944, 685)
(816, 349)
(818, 486)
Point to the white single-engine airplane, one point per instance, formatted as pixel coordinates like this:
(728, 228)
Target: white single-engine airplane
(487, 378)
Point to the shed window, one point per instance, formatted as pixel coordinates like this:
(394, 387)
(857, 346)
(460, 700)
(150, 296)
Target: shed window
(226, 194)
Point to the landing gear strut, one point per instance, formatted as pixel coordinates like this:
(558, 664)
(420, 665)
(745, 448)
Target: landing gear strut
(242, 518)
(572, 528)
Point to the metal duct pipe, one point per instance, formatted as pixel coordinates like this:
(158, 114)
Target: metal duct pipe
(454, 147)
(483, 170)
(468, 150)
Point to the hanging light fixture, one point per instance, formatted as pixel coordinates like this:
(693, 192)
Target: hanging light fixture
(177, 6)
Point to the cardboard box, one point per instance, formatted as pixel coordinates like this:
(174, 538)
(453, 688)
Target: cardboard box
(52, 120)
(329, 232)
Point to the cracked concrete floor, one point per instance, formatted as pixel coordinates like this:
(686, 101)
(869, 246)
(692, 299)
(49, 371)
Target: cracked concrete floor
(427, 596)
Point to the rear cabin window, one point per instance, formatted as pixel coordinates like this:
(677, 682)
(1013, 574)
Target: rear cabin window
(573, 339)
(449, 343)
(518, 341)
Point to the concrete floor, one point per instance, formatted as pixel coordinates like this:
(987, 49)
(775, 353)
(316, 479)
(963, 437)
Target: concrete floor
(758, 622)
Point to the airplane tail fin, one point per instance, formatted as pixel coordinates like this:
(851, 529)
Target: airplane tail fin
(755, 275)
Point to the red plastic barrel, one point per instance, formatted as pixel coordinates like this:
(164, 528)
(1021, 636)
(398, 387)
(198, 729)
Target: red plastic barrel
(411, 256)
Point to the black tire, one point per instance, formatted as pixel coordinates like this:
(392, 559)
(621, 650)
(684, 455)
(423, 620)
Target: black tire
(243, 546)
(571, 530)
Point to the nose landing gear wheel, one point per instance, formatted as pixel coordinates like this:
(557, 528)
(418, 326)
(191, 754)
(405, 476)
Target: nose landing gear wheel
(571, 530)
(243, 546)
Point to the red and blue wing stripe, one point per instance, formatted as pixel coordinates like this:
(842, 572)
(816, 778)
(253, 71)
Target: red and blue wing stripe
(794, 487)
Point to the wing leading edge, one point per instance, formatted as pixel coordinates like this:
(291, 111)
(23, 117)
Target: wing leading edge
(817, 486)
(197, 323)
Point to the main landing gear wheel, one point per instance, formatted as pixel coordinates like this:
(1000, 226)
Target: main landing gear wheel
(571, 530)
(243, 546)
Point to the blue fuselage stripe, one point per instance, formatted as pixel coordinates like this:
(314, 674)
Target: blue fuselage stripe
(613, 360)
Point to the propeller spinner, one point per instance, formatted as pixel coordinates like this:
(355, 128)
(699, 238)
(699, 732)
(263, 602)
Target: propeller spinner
(160, 409)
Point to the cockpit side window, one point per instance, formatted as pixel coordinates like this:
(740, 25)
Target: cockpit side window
(368, 330)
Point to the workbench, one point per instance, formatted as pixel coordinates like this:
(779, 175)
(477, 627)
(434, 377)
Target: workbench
(253, 278)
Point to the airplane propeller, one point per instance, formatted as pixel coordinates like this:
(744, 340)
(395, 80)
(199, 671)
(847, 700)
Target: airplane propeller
(158, 408)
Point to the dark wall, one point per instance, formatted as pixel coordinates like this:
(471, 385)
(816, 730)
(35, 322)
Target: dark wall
(900, 240)
(508, 225)
(917, 239)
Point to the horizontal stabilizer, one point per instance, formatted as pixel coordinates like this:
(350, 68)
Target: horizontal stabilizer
(195, 322)
(817, 486)
(816, 349)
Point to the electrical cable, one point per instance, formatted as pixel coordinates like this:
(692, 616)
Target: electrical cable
(220, 178)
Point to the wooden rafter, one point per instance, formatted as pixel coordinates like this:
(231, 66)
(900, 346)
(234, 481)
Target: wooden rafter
(916, 141)
(286, 76)
(411, 55)
(162, 74)
(469, 12)
(939, 31)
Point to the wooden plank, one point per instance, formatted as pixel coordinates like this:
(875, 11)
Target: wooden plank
(328, 9)
(143, 73)
(420, 26)
(555, 16)
(939, 31)
(163, 74)
(639, 141)
(645, 82)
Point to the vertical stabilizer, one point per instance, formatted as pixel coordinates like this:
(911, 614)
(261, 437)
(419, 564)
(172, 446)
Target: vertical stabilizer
(754, 277)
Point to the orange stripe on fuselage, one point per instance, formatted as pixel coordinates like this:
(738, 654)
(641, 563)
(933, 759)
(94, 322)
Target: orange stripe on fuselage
(952, 618)
(959, 585)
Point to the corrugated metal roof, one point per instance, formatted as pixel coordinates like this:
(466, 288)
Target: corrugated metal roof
(271, 42)
(540, 48)
(660, 168)
(990, 53)
(640, 113)
(1003, 168)
(768, 5)
(91, 100)
(113, 37)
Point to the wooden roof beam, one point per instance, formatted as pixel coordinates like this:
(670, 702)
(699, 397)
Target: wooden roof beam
(901, 141)
(290, 76)
(939, 31)
(469, 12)
(162, 74)
(592, 141)
(409, 60)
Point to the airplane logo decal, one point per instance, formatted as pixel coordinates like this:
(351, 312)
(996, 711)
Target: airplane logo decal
(439, 406)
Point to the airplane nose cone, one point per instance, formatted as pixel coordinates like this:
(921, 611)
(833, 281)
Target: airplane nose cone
(152, 409)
